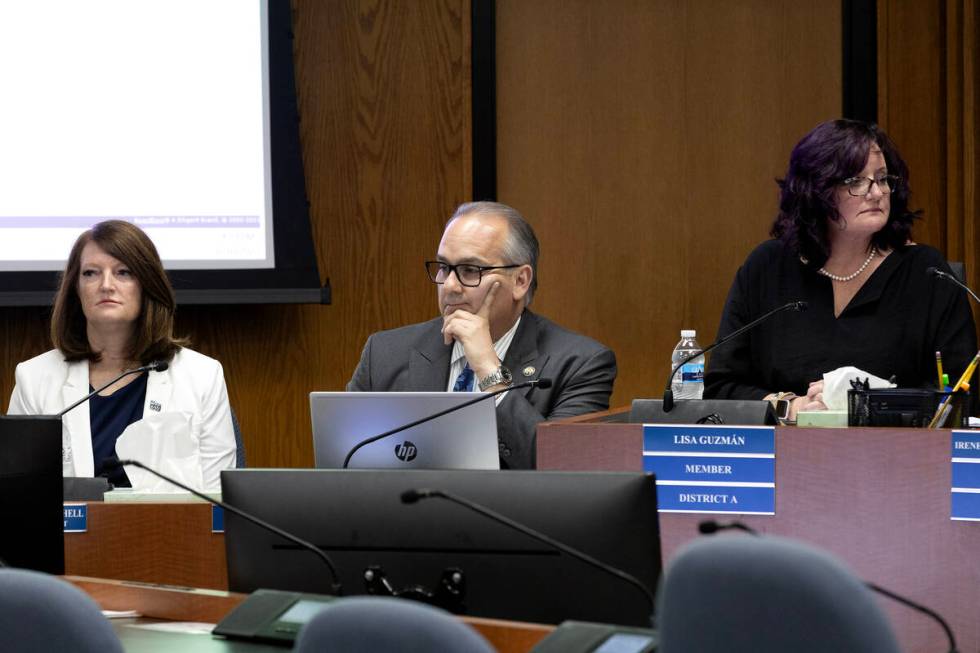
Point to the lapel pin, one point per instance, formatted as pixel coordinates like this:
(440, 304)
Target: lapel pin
(528, 371)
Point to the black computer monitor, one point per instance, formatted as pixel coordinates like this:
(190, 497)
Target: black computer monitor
(31, 510)
(357, 517)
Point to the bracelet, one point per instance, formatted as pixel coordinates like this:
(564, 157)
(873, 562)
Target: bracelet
(773, 397)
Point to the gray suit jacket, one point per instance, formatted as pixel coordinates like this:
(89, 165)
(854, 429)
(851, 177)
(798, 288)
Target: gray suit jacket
(414, 358)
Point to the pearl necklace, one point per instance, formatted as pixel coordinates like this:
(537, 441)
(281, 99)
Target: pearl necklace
(867, 262)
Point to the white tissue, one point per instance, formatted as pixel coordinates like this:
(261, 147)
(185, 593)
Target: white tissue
(166, 443)
(838, 382)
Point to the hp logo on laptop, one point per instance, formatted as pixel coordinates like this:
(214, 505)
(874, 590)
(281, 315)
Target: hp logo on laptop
(406, 451)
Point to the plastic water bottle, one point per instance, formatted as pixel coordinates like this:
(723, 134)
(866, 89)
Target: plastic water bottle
(688, 383)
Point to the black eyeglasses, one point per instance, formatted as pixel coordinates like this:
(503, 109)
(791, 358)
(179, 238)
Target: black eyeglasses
(468, 274)
(861, 186)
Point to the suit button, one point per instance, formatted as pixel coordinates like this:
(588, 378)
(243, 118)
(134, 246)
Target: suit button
(506, 452)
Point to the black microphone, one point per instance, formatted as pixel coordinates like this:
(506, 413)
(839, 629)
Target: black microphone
(414, 496)
(155, 366)
(668, 402)
(336, 587)
(710, 526)
(541, 383)
(952, 279)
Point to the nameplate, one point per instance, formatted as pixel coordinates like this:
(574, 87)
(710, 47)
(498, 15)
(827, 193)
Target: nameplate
(76, 517)
(709, 438)
(712, 468)
(965, 491)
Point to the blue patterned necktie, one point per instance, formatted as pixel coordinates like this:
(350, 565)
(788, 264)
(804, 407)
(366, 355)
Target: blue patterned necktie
(464, 382)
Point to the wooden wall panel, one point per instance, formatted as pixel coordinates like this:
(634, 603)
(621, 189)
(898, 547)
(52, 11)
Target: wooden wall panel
(384, 93)
(23, 333)
(641, 139)
(912, 103)
(927, 101)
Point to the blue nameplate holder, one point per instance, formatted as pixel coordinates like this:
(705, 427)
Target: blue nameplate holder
(712, 469)
(965, 491)
(217, 519)
(76, 517)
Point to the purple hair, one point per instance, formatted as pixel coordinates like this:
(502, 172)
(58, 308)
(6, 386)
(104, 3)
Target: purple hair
(832, 152)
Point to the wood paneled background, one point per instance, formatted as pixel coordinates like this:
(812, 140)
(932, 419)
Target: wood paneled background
(641, 138)
(927, 101)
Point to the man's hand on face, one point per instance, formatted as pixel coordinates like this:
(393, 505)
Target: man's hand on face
(472, 330)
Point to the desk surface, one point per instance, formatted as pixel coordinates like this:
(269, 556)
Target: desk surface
(137, 639)
(167, 603)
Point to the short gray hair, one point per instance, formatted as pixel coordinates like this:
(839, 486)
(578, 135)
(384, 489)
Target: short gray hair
(521, 247)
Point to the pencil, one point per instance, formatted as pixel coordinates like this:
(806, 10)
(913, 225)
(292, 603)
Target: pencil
(939, 369)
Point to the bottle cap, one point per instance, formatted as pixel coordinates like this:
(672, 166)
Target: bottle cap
(688, 333)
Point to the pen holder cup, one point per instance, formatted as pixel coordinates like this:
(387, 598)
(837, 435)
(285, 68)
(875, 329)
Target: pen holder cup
(907, 407)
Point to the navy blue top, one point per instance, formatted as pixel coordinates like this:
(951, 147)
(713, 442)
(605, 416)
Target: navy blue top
(109, 417)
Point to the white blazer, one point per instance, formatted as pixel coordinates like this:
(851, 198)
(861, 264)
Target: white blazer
(193, 383)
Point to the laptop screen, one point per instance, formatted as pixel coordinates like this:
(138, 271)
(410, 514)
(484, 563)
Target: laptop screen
(463, 439)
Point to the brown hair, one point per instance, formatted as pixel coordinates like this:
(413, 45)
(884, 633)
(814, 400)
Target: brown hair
(153, 338)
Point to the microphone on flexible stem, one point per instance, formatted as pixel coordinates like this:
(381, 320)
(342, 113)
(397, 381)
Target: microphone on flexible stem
(710, 526)
(918, 607)
(668, 401)
(336, 587)
(414, 496)
(155, 366)
(952, 279)
(540, 383)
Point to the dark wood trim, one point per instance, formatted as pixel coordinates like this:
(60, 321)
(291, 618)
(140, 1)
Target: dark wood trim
(484, 99)
(859, 41)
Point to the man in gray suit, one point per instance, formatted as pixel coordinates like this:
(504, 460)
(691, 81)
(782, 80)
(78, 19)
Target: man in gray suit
(487, 339)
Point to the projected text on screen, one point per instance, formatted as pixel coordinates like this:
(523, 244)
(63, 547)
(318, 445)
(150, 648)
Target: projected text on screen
(151, 111)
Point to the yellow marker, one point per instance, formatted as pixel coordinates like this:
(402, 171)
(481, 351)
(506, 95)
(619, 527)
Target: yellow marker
(939, 370)
(970, 369)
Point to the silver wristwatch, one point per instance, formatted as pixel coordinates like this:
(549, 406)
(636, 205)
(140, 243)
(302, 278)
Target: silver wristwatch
(500, 376)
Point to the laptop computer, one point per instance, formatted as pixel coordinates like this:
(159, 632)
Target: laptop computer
(464, 439)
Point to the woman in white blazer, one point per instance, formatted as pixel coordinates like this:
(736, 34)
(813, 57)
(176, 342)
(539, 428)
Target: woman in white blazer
(114, 311)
